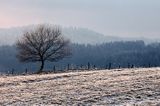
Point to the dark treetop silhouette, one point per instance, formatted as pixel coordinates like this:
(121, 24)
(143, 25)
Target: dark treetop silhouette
(44, 43)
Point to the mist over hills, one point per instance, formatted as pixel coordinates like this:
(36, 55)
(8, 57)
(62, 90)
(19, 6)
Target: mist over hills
(135, 52)
(8, 36)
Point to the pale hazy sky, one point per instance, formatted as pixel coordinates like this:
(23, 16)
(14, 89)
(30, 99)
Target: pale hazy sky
(110, 17)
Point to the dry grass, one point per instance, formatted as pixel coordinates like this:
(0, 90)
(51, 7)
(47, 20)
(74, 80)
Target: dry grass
(137, 87)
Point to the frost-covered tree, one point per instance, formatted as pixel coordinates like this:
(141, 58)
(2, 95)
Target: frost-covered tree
(44, 43)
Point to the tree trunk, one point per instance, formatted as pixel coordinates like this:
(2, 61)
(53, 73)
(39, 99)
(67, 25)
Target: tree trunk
(41, 68)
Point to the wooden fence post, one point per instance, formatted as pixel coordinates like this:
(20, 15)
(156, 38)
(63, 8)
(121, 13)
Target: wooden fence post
(12, 71)
(26, 71)
(68, 67)
(106, 67)
(94, 66)
(81, 67)
(128, 65)
(54, 68)
(149, 65)
(88, 65)
(132, 66)
(119, 66)
(110, 65)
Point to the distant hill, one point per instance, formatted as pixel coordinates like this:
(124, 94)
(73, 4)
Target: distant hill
(76, 35)
(85, 36)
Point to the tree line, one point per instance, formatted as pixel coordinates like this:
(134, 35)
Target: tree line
(113, 55)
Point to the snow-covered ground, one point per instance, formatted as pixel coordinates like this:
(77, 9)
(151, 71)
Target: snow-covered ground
(124, 87)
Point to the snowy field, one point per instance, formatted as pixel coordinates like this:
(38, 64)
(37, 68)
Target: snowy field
(124, 87)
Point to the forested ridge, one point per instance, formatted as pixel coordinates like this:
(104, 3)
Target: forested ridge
(119, 54)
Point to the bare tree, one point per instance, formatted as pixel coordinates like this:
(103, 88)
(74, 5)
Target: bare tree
(44, 43)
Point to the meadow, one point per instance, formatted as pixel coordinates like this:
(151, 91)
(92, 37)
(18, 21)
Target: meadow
(124, 87)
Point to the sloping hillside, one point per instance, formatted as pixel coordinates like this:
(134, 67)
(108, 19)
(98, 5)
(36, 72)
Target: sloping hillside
(76, 35)
(114, 87)
(9, 36)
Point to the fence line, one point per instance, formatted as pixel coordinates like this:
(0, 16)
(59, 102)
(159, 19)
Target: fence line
(88, 66)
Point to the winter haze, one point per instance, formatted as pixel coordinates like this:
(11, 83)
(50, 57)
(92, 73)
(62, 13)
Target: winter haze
(119, 18)
(113, 58)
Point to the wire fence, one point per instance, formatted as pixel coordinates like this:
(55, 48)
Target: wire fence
(76, 68)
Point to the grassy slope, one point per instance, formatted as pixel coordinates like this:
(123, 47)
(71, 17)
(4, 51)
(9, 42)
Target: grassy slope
(125, 87)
